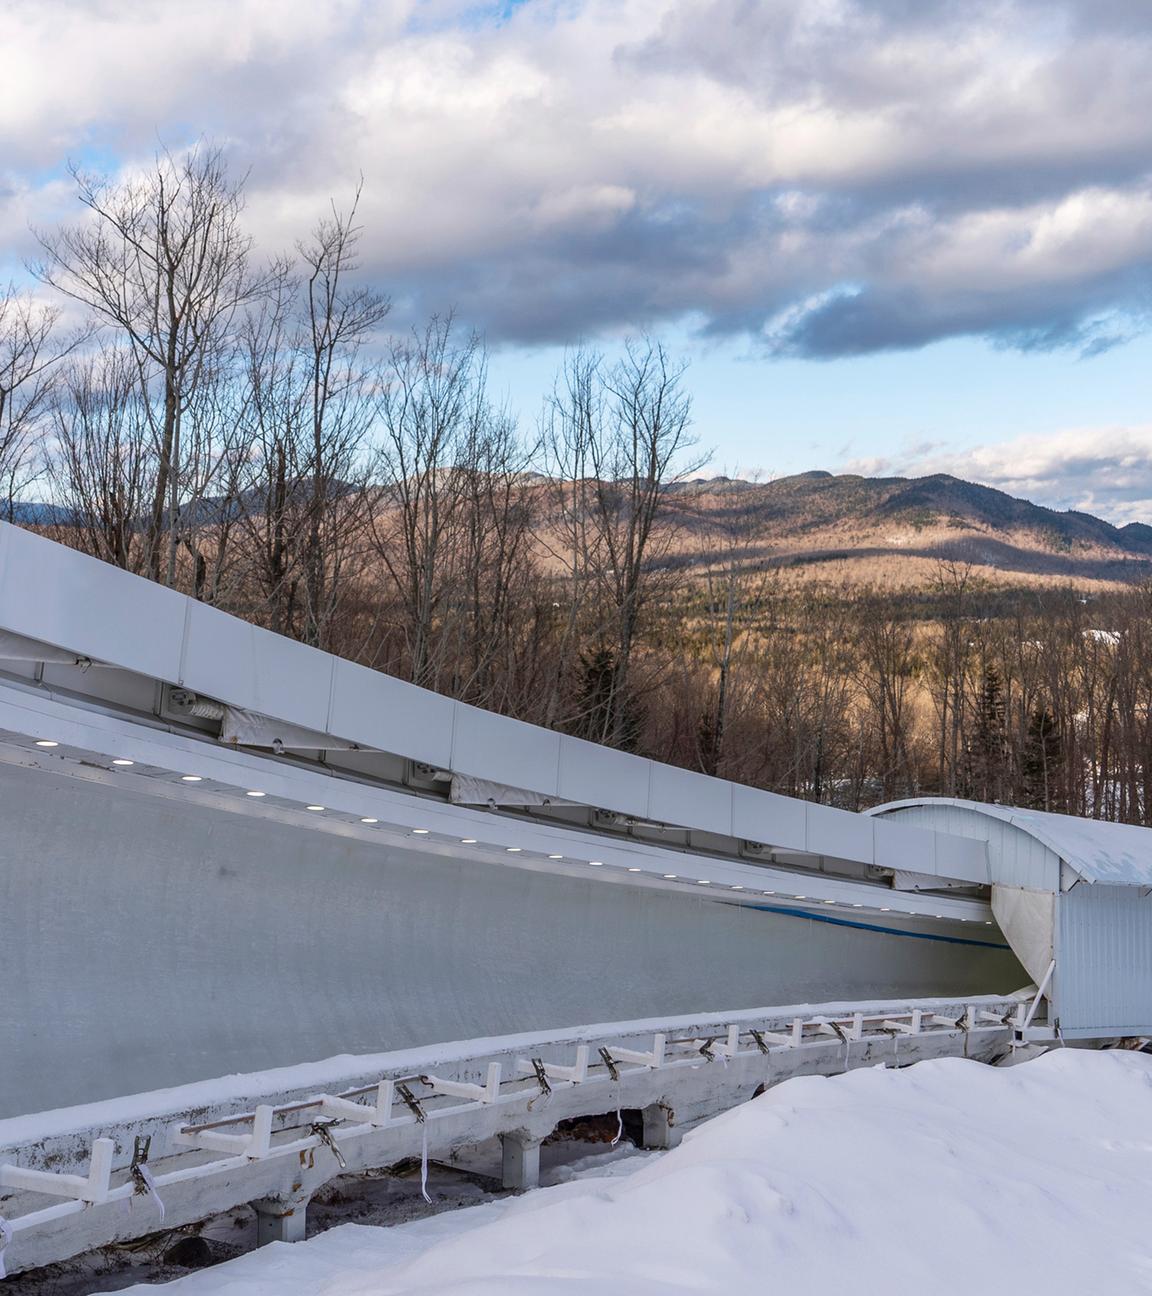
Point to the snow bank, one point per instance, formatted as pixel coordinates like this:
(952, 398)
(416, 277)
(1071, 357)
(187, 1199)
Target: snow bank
(948, 1178)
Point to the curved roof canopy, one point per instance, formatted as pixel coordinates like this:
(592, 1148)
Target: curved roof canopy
(1116, 854)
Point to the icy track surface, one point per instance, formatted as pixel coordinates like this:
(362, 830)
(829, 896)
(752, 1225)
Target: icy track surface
(949, 1178)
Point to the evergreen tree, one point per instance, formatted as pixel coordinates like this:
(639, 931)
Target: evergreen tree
(1040, 761)
(989, 747)
(601, 712)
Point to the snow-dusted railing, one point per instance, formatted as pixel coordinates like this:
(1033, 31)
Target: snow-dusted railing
(187, 1160)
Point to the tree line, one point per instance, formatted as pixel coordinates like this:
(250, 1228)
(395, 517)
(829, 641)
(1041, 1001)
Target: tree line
(255, 433)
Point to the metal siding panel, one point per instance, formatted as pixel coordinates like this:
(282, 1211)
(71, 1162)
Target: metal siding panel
(1014, 857)
(678, 796)
(768, 818)
(250, 667)
(380, 711)
(1104, 960)
(604, 778)
(65, 598)
(905, 846)
(840, 834)
(962, 857)
(505, 750)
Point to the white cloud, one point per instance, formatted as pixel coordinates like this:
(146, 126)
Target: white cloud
(1106, 471)
(833, 175)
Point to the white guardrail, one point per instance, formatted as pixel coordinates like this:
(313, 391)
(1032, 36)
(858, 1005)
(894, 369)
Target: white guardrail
(79, 1178)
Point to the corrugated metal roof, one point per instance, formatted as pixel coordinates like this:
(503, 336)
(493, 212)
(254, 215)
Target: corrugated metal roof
(1113, 853)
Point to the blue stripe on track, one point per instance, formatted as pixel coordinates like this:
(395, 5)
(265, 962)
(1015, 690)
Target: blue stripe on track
(886, 931)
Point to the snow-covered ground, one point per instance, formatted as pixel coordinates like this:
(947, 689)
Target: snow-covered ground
(949, 1178)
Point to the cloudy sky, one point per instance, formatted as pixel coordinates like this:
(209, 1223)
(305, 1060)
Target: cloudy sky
(890, 235)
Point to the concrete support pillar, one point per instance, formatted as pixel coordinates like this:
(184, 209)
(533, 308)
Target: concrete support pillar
(280, 1219)
(659, 1133)
(521, 1162)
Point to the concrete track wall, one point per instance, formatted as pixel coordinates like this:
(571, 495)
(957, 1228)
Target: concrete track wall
(145, 943)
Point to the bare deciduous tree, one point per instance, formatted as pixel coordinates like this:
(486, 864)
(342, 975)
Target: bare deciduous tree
(102, 467)
(164, 261)
(30, 349)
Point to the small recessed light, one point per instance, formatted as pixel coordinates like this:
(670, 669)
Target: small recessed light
(46, 742)
(737, 888)
(314, 807)
(191, 778)
(513, 850)
(670, 875)
(703, 882)
(596, 863)
(857, 906)
(122, 761)
(799, 897)
(634, 870)
(467, 841)
(255, 794)
(767, 892)
(988, 924)
(829, 901)
(555, 856)
(939, 915)
(885, 910)
(369, 820)
(421, 832)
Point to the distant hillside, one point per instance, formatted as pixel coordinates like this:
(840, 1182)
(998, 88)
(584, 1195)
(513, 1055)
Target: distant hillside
(896, 529)
(890, 531)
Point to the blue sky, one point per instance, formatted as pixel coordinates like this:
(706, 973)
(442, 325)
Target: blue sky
(896, 412)
(888, 235)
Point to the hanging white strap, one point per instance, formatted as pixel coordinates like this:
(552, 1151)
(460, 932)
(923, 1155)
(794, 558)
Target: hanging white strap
(150, 1185)
(424, 1166)
(5, 1238)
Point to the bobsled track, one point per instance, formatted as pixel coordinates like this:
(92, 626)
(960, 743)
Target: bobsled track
(84, 1177)
(224, 852)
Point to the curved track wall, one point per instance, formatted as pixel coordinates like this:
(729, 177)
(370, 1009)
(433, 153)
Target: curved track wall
(144, 943)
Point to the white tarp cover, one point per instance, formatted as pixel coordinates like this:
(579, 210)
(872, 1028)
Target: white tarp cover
(243, 728)
(1027, 918)
(467, 790)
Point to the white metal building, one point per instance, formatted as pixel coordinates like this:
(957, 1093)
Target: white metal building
(1074, 898)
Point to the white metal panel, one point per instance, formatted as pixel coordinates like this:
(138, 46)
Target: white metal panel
(678, 796)
(505, 750)
(55, 595)
(959, 857)
(1015, 857)
(72, 601)
(765, 817)
(379, 711)
(1104, 961)
(905, 846)
(253, 668)
(599, 776)
(1098, 851)
(840, 833)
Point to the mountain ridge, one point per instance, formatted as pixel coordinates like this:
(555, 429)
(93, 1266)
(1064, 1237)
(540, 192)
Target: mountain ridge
(937, 495)
(901, 526)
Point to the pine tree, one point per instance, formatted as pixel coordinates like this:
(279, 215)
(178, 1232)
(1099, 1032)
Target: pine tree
(1040, 761)
(600, 712)
(989, 743)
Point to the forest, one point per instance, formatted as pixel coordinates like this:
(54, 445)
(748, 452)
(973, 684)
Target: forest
(258, 434)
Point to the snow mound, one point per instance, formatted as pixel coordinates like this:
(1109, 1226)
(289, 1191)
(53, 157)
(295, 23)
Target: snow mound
(949, 1177)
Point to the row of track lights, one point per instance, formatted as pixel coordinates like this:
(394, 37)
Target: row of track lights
(517, 850)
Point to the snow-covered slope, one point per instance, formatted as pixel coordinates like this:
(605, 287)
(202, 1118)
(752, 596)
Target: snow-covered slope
(948, 1178)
